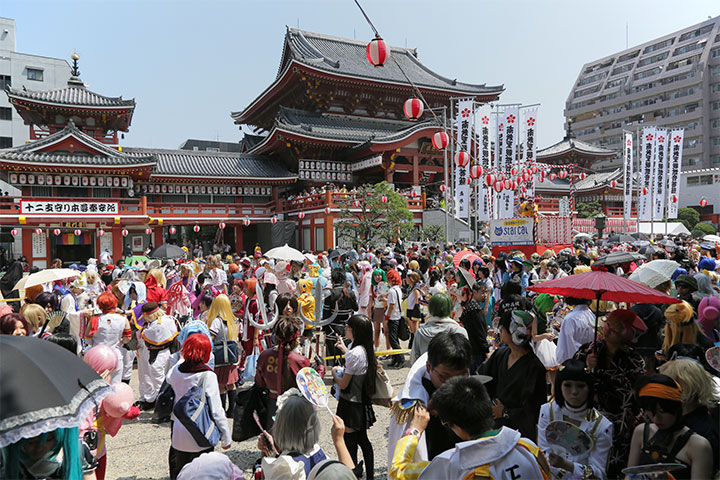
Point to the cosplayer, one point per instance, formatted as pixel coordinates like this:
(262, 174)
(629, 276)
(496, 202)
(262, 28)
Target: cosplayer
(157, 333)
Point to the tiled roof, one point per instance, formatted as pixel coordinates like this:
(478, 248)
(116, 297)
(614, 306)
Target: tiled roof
(348, 57)
(73, 94)
(569, 144)
(596, 180)
(110, 156)
(343, 127)
(212, 164)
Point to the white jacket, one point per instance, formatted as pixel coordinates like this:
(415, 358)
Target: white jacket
(181, 383)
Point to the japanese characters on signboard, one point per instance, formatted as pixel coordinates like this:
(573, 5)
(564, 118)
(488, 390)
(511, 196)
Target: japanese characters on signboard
(44, 207)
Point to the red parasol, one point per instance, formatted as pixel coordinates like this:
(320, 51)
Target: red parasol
(601, 285)
(466, 254)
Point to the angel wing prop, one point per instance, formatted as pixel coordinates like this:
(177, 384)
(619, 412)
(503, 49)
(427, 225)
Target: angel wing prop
(261, 311)
(318, 322)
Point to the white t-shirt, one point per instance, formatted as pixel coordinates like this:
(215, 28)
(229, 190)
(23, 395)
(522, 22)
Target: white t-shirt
(395, 298)
(356, 361)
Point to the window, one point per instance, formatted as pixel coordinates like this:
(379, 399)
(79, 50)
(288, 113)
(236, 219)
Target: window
(5, 142)
(697, 33)
(688, 48)
(591, 79)
(658, 46)
(684, 62)
(615, 83)
(691, 107)
(587, 91)
(653, 59)
(715, 105)
(715, 52)
(683, 93)
(715, 141)
(622, 69)
(41, 191)
(212, 149)
(677, 78)
(715, 123)
(715, 70)
(599, 66)
(647, 73)
(628, 56)
(5, 82)
(691, 181)
(643, 87)
(691, 160)
(34, 74)
(5, 113)
(715, 87)
(692, 143)
(715, 159)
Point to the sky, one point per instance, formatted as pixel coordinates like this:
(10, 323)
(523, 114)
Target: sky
(189, 63)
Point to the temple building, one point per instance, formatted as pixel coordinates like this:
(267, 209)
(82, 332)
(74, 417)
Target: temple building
(329, 121)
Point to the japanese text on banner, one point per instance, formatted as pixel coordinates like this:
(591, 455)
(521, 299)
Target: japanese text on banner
(482, 126)
(463, 144)
(628, 175)
(510, 123)
(646, 167)
(675, 165)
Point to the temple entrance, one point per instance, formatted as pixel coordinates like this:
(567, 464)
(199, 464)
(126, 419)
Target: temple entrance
(71, 248)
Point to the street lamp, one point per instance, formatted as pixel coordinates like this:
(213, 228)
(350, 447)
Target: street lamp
(600, 223)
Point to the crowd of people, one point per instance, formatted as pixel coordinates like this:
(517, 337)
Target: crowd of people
(493, 367)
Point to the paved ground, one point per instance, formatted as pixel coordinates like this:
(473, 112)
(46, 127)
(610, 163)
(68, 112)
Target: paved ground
(140, 449)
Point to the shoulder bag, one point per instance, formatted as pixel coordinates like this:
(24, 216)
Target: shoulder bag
(193, 411)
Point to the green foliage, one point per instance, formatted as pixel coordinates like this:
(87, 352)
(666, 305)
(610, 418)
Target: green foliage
(689, 217)
(375, 221)
(588, 209)
(433, 233)
(702, 229)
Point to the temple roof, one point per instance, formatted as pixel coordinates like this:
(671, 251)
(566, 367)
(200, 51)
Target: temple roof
(348, 57)
(569, 145)
(591, 182)
(74, 95)
(199, 164)
(70, 146)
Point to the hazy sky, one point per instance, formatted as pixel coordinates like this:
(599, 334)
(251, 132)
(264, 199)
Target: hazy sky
(189, 63)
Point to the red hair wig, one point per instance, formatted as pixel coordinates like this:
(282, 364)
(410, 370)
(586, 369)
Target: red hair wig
(8, 322)
(107, 302)
(394, 277)
(251, 284)
(196, 349)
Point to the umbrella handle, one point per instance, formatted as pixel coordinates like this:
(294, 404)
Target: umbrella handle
(597, 317)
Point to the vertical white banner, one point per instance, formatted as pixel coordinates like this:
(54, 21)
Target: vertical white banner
(660, 177)
(628, 176)
(463, 144)
(510, 126)
(675, 165)
(482, 124)
(499, 141)
(529, 141)
(646, 168)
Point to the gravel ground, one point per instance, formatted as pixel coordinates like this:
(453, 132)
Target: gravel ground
(140, 449)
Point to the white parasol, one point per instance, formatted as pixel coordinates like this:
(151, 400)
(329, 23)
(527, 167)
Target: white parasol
(711, 238)
(654, 273)
(46, 276)
(285, 252)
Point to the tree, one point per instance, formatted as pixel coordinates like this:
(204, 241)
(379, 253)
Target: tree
(702, 229)
(588, 209)
(367, 220)
(689, 217)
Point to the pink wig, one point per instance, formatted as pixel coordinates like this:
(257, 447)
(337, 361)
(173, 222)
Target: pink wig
(102, 358)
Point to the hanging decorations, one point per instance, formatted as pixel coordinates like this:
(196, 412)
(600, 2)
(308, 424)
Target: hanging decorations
(703, 202)
(173, 230)
(148, 231)
(413, 193)
(563, 174)
(476, 171)
(552, 176)
(498, 186)
(514, 171)
(101, 232)
(442, 188)
(673, 198)
(490, 180)
(301, 215)
(378, 52)
(38, 231)
(613, 184)
(56, 232)
(413, 108)
(14, 232)
(583, 176)
(221, 225)
(644, 191)
(78, 232)
(124, 233)
(196, 228)
(246, 222)
(273, 220)
(327, 210)
(384, 199)
(440, 140)
(462, 159)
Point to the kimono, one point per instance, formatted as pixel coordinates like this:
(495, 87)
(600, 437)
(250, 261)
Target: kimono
(616, 400)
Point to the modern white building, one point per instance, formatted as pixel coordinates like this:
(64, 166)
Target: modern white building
(23, 70)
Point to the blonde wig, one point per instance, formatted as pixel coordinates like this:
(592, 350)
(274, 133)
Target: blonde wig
(680, 328)
(34, 314)
(696, 383)
(159, 277)
(221, 307)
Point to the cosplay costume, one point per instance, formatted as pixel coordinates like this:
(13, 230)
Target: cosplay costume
(158, 331)
(590, 421)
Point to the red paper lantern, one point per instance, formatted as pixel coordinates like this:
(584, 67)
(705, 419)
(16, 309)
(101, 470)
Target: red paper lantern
(552, 176)
(462, 159)
(514, 171)
(221, 225)
(613, 184)
(490, 180)
(327, 210)
(196, 228)
(534, 169)
(301, 215)
(582, 176)
(673, 198)
(356, 203)
(173, 230)
(523, 189)
(644, 191)
(56, 232)
(124, 233)
(498, 186)
(14, 232)
(526, 176)
(246, 222)
(148, 231)
(442, 188)
(378, 52)
(507, 184)
(38, 231)
(476, 171)
(501, 177)
(469, 180)
(703, 202)
(413, 193)
(101, 232)
(78, 232)
(413, 108)
(440, 140)
(273, 220)
(563, 174)
(383, 199)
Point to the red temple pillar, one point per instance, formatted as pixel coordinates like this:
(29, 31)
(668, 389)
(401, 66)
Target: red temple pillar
(416, 170)
(117, 242)
(238, 239)
(158, 234)
(329, 226)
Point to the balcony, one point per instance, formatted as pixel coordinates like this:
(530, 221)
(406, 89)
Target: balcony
(336, 200)
(127, 207)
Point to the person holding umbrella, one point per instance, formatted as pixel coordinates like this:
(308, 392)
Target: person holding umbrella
(615, 368)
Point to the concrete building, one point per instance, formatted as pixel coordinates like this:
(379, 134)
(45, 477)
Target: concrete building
(671, 81)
